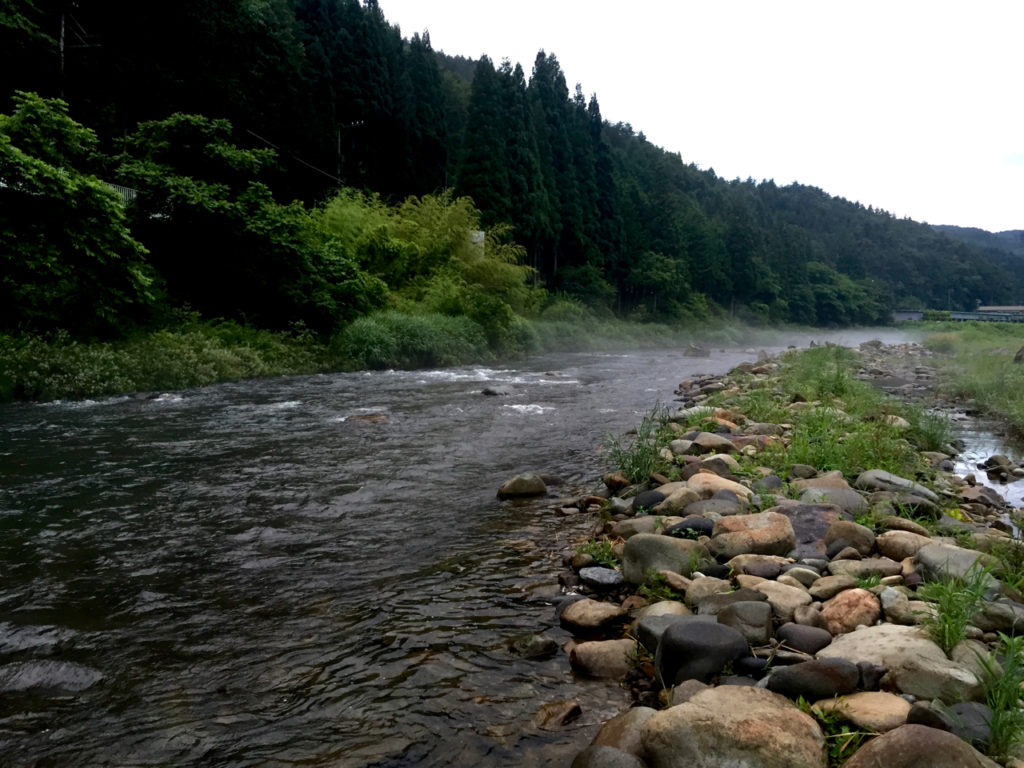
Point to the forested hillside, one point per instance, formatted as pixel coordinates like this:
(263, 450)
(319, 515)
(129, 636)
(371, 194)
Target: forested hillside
(302, 161)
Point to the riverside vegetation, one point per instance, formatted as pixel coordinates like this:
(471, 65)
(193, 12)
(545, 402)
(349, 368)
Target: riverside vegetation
(376, 203)
(785, 572)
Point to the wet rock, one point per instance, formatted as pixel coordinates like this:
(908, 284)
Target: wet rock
(556, 714)
(646, 551)
(850, 609)
(971, 722)
(691, 649)
(623, 731)
(917, 746)
(601, 579)
(607, 659)
(650, 629)
(533, 646)
(870, 710)
(916, 665)
(588, 616)
(763, 533)
(527, 484)
(606, 757)
(818, 679)
(800, 637)
(734, 726)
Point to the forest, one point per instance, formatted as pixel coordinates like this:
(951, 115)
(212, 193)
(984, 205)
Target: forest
(301, 164)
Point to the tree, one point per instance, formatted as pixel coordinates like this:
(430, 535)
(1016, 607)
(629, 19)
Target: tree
(68, 259)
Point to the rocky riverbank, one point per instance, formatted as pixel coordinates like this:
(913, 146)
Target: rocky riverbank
(766, 611)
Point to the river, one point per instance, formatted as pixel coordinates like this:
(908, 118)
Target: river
(307, 570)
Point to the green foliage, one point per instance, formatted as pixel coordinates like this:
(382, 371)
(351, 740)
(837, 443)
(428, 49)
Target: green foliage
(870, 581)
(638, 460)
(957, 601)
(1010, 566)
(397, 340)
(929, 430)
(67, 259)
(841, 738)
(602, 552)
(655, 588)
(190, 355)
(977, 364)
(1002, 678)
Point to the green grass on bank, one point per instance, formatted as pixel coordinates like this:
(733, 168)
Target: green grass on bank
(197, 353)
(977, 363)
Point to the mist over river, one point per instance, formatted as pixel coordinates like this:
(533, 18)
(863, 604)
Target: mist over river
(308, 570)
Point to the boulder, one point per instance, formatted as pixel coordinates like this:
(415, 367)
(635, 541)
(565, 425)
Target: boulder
(818, 679)
(526, 484)
(830, 586)
(763, 533)
(846, 499)
(600, 578)
(588, 616)
(624, 730)
(918, 746)
(646, 551)
(606, 757)
(716, 603)
(937, 561)
(850, 609)
(916, 664)
(870, 710)
(753, 620)
(872, 566)
(733, 726)
(710, 442)
(607, 659)
(707, 484)
(799, 637)
(899, 545)
(810, 524)
(765, 566)
(880, 480)
(783, 598)
(700, 589)
(677, 501)
(850, 534)
(716, 507)
(692, 649)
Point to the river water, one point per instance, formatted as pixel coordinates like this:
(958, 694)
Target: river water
(307, 570)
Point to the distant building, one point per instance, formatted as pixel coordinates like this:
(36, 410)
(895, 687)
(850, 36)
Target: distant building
(907, 315)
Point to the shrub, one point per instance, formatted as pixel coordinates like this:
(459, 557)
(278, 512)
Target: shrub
(398, 340)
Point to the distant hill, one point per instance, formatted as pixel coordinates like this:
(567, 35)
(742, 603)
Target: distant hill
(1010, 241)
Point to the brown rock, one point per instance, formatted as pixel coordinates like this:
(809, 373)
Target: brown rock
(588, 615)
(871, 710)
(850, 609)
(899, 545)
(918, 746)
(607, 659)
(762, 533)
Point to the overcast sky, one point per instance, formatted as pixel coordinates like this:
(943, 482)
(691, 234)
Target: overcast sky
(913, 107)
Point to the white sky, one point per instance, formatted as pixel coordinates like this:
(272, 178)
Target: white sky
(913, 107)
